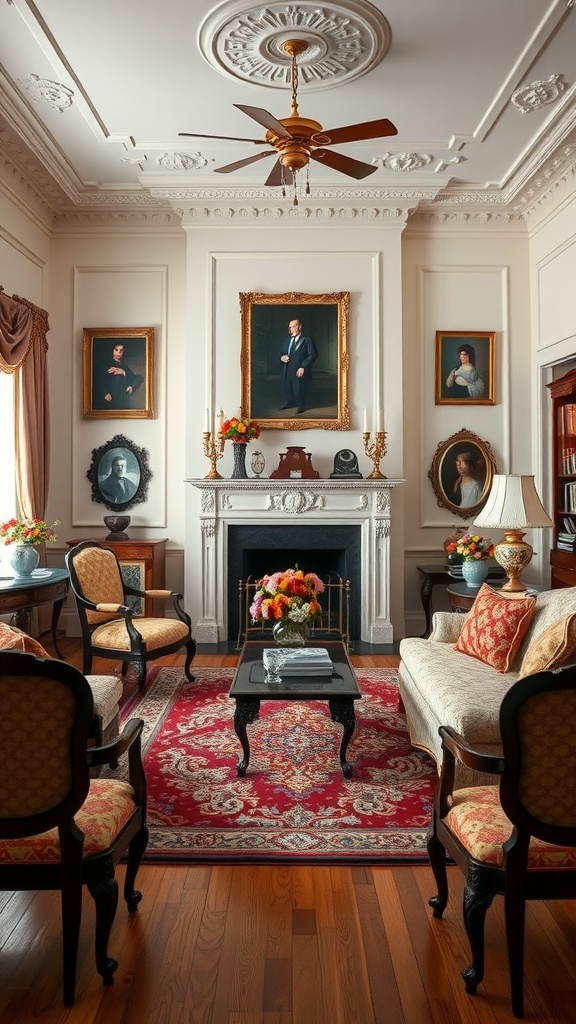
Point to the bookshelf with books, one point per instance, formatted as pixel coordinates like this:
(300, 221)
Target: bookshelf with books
(563, 554)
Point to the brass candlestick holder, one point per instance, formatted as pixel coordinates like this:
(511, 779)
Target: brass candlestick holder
(213, 450)
(375, 451)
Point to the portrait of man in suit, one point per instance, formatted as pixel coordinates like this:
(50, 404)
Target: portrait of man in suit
(118, 485)
(294, 358)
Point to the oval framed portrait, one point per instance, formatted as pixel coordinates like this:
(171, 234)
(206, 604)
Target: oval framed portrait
(461, 473)
(119, 474)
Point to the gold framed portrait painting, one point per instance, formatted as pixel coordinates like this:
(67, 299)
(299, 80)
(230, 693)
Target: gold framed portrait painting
(294, 359)
(118, 373)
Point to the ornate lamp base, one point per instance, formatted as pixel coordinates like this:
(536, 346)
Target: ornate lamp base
(513, 554)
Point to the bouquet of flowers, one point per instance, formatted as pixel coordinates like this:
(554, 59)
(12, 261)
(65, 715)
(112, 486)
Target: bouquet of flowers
(27, 531)
(471, 547)
(287, 595)
(240, 429)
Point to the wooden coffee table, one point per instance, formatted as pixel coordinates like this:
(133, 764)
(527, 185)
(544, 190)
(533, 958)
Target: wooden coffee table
(249, 688)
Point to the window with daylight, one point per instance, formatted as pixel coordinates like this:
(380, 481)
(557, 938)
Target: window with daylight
(7, 452)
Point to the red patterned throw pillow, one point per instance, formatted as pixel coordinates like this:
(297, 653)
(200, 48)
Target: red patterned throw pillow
(495, 627)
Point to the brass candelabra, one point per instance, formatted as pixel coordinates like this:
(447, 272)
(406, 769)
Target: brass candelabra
(213, 450)
(375, 451)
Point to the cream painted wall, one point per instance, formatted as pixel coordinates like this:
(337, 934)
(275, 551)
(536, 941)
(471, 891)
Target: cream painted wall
(469, 280)
(222, 262)
(184, 281)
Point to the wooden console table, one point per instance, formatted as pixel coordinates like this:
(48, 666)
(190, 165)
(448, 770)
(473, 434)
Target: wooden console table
(143, 565)
(21, 594)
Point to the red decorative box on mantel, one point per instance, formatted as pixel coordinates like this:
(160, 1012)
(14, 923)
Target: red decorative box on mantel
(295, 464)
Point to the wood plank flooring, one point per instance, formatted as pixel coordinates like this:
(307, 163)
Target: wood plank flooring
(233, 944)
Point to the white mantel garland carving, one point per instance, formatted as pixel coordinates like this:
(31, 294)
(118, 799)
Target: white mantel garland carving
(364, 503)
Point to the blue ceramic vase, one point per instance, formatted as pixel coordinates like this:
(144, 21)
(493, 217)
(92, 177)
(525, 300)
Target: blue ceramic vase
(475, 571)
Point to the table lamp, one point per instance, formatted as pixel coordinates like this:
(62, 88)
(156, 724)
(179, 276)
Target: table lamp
(513, 505)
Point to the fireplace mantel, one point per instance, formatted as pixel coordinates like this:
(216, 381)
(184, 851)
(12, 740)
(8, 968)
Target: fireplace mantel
(366, 503)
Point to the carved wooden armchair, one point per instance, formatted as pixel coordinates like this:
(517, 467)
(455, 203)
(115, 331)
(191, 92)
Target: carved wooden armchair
(516, 839)
(60, 829)
(109, 629)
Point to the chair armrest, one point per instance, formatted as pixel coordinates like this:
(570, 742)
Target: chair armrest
(130, 739)
(106, 606)
(446, 626)
(457, 745)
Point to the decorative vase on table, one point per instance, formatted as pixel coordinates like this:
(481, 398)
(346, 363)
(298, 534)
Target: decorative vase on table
(475, 571)
(239, 471)
(290, 634)
(24, 559)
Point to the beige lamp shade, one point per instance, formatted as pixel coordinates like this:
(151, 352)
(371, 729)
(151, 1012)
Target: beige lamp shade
(513, 505)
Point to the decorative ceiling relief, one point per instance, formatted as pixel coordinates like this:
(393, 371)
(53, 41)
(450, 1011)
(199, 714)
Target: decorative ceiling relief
(345, 40)
(55, 94)
(182, 161)
(404, 161)
(538, 94)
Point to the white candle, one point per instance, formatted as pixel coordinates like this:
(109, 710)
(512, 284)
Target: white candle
(380, 420)
(207, 422)
(365, 421)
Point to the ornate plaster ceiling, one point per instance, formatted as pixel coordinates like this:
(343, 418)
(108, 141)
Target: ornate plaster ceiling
(92, 102)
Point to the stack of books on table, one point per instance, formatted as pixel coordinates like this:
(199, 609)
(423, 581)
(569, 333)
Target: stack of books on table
(304, 661)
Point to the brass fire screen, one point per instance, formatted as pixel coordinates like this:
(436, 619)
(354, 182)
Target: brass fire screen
(334, 623)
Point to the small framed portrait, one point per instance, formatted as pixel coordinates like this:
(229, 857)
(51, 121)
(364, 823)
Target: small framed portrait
(118, 373)
(294, 359)
(461, 473)
(119, 474)
(465, 367)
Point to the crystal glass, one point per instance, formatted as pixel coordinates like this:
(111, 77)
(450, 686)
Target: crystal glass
(274, 661)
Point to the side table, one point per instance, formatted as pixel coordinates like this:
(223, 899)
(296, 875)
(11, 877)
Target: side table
(462, 597)
(44, 586)
(437, 575)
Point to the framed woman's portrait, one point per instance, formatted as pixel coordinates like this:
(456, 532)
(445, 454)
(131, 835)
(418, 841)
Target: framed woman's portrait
(119, 474)
(465, 367)
(118, 373)
(461, 473)
(294, 359)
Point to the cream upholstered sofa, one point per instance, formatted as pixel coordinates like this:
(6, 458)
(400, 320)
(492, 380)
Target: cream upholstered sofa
(442, 686)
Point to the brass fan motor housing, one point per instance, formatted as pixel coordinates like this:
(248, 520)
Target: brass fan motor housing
(295, 153)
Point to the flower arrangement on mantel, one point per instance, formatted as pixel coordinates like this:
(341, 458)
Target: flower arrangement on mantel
(27, 531)
(288, 595)
(240, 430)
(471, 547)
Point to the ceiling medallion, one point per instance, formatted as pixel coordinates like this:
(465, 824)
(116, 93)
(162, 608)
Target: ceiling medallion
(53, 93)
(538, 94)
(345, 40)
(182, 161)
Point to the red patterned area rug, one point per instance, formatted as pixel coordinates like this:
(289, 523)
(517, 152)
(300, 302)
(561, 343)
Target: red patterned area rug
(293, 805)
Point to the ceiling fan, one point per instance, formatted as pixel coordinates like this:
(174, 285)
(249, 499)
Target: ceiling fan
(296, 140)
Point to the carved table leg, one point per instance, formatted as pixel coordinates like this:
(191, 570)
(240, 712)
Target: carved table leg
(425, 597)
(247, 709)
(342, 711)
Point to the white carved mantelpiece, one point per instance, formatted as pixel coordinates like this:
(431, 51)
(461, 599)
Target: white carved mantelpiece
(364, 503)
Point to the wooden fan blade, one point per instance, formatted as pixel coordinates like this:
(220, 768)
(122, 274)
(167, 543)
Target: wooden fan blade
(243, 163)
(226, 138)
(266, 119)
(275, 176)
(345, 164)
(355, 132)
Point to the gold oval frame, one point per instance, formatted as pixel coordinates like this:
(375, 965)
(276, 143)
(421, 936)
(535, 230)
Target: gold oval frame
(440, 474)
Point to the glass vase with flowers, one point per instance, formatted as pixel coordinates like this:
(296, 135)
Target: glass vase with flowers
(240, 430)
(288, 601)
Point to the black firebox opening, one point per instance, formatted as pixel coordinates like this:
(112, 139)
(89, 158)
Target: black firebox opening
(257, 550)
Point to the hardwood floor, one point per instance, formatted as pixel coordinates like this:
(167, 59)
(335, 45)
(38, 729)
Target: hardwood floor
(281, 945)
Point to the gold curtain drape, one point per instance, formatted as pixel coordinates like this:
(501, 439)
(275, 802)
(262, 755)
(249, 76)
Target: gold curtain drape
(23, 348)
